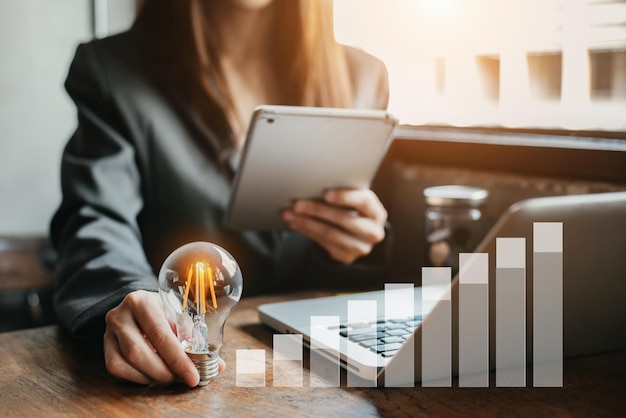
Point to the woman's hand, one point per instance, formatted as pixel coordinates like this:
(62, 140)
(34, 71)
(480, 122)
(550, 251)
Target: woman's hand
(347, 224)
(140, 344)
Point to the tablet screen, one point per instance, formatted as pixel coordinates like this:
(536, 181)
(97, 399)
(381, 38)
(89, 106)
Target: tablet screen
(294, 152)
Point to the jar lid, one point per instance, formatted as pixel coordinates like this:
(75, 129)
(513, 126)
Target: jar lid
(454, 195)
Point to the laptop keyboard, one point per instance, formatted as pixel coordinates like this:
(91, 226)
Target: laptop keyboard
(384, 337)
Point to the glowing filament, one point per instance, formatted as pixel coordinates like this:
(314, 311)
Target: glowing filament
(197, 279)
(210, 278)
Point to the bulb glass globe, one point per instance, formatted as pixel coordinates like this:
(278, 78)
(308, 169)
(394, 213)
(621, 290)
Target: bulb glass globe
(200, 284)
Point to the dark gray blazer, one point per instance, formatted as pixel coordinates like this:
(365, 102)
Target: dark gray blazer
(137, 183)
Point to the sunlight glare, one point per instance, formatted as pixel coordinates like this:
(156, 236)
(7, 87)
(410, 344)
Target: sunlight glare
(439, 8)
(469, 62)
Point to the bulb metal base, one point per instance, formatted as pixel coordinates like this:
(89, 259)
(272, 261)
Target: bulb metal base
(207, 365)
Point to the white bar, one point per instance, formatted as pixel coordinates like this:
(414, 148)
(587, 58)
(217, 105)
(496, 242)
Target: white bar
(362, 312)
(548, 304)
(437, 327)
(400, 303)
(287, 366)
(548, 237)
(511, 253)
(510, 312)
(250, 368)
(325, 347)
(473, 320)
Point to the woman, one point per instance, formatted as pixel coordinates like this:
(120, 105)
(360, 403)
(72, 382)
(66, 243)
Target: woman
(163, 111)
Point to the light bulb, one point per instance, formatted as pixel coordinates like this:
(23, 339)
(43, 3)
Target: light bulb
(200, 284)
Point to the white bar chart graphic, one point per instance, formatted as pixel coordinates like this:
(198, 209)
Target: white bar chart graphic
(250, 368)
(437, 327)
(288, 357)
(548, 304)
(361, 314)
(399, 303)
(510, 312)
(376, 338)
(325, 347)
(474, 320)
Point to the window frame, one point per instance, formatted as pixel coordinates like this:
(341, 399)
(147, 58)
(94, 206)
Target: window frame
(583, 155)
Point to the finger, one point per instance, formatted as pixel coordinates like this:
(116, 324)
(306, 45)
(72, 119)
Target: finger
(139, 354)
(133, 346)
(117, 366)
(364, 201)
(365, 229)
(159, 333)
(341, 254)
(341, 245)
(326, 212)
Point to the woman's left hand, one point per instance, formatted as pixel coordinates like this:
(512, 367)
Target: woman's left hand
(347, 223)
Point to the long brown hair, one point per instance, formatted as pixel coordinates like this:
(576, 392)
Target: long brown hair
(309, 63)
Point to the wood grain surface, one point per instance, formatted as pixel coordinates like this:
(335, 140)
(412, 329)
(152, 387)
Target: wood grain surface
(43, 373)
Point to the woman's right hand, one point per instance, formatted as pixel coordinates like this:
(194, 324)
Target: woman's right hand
(141, 346)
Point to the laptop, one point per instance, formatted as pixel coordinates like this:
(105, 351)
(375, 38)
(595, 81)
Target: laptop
(594, 291)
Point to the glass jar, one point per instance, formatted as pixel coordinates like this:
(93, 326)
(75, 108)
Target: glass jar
(453, 215)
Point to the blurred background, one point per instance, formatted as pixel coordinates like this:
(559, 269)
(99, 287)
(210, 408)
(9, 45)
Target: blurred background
(532, 63)
(38, 39)
(521, 97)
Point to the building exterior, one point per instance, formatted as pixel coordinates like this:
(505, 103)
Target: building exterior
(549, 64)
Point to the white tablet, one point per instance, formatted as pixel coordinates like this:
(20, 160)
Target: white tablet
(294, 152)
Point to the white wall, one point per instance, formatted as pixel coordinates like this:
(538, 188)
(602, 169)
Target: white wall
(37, 42)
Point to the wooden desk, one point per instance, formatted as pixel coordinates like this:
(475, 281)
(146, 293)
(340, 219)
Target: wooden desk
(43, 373)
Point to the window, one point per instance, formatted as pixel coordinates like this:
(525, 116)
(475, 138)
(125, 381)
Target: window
(544, 75)
(608, 75)
(538, 64)
(489, 71)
